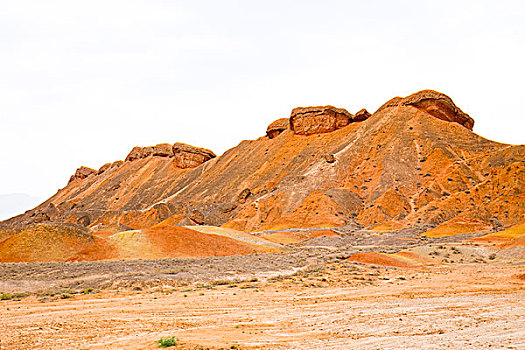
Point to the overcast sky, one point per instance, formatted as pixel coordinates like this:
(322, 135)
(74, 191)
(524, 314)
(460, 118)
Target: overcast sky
(82, 82)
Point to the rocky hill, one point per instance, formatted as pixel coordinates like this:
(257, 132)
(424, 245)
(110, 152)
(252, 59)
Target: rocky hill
(414, 162)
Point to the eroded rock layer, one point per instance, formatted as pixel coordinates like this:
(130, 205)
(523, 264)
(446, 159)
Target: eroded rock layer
(434, 103)
(277, 127)
(318, 120)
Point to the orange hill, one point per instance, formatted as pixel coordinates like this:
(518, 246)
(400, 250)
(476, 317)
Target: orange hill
(413, 162)
(167, 241)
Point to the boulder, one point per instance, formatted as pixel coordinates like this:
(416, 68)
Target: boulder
(434, 103)
(82, 173)
(163, 150)
(362, 115)
(277, 127)
(318, 120)
(186, 156)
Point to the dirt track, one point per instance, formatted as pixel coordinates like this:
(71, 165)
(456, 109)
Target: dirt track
(341, 306)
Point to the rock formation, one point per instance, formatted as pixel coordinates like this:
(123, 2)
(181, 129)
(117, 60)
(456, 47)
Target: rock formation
(317, 120)
(163, 150)
(434, 103)
(187, 156)
(139, 153)
(184, 156)
(362, 115)
(277, 127)
(104, 168)
(82, 173)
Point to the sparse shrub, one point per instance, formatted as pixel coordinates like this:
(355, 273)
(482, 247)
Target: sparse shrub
(167, 342)
(6, 296)
(492, 256)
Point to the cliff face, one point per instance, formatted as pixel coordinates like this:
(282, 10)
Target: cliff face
(415, 161)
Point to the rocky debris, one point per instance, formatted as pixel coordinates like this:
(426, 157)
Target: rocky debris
(318, 120)
(243, 196)
(163, 210)
(362, 115)
(277, 127)
(214, 214)
(163, 150)
(82, 173)
(187, 156)
(434, 103)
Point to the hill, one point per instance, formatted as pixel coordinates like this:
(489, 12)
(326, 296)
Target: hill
(415, 162)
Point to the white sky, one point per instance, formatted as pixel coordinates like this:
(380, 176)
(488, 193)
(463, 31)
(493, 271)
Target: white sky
(82, 82)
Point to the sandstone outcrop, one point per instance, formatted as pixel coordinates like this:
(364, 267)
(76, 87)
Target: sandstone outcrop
(139, 153)
(163, 150)
(362, 115)
(184, 156)
(277, 127)
(82, 173)
(104, 168)
(434, 103)
(187, 156)
(318, 120)
(117, 163)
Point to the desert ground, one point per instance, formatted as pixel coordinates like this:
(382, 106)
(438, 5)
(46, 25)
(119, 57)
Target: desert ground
(450, 294)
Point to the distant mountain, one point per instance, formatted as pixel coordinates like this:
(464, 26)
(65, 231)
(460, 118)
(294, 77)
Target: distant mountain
(16, 203)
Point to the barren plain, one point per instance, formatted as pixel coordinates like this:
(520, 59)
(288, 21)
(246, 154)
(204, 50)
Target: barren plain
(452, 293)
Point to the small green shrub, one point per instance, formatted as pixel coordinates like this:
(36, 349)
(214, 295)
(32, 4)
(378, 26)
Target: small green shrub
(6, 296)
(167, 342)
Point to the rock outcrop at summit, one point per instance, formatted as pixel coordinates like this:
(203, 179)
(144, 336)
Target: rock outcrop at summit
(277, 127)
(318, 120)
(139, 153)
(434, 103)
(163, 150)
(187, 156)
(82, 173)
(184, 156)
(361, 116)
